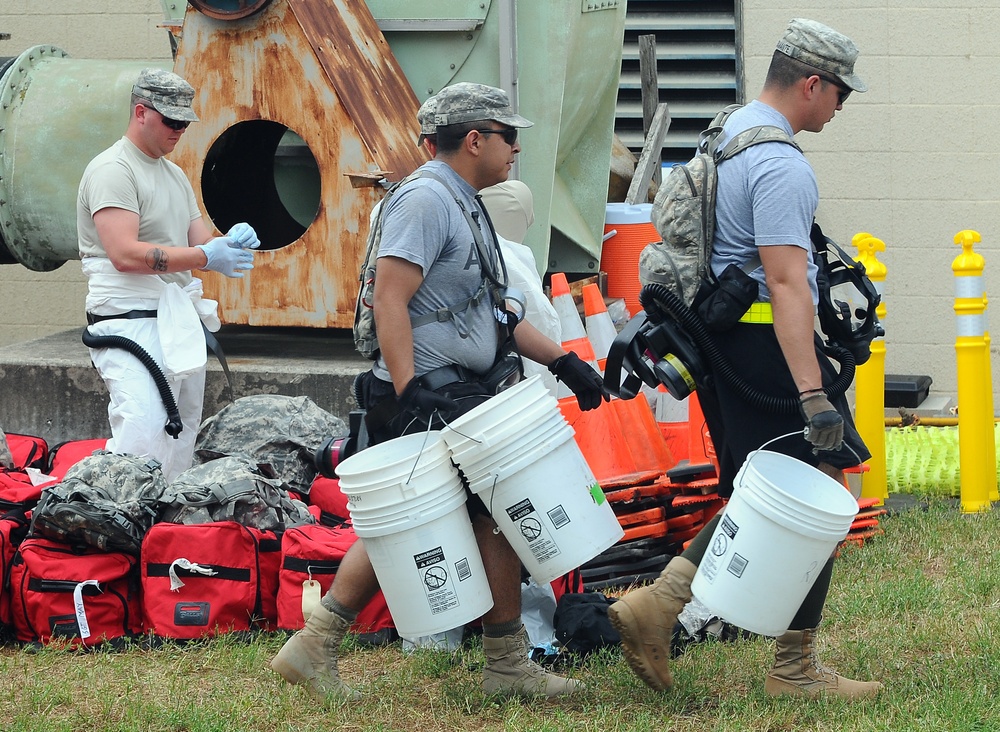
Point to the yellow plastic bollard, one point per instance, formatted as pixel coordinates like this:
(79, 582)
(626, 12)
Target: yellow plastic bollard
(869, 380)
(976, 442)
(991, 461)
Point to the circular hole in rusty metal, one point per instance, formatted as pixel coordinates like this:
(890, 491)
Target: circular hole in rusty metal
(229, 9)
(261, 172)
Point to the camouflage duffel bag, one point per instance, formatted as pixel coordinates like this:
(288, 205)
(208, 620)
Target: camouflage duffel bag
(107, 501)
(283, 431)
(6, 459)
(233, 488)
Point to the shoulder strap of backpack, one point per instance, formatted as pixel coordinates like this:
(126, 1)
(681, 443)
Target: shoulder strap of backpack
(751, 137)
(494, 259)
(448, 313)
(739, 143)
(210, 495)
(708, 139)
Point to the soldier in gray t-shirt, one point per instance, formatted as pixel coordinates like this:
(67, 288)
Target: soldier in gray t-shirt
(430, 372)
(767, 197)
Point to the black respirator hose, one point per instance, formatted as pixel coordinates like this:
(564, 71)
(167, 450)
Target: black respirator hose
(658, 301)
(174, 426)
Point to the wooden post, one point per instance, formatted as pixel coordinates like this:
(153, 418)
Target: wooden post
(650, 87)
(649, 158)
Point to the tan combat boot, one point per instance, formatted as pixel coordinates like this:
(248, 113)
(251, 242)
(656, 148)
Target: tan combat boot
(509, 670)
(797, 671)
(645, 620)
(309, 658)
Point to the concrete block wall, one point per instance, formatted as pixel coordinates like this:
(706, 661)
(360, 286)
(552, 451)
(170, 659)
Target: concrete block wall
(913, 161)
(34, 304)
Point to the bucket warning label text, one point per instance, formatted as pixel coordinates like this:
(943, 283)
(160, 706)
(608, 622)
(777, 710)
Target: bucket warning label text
(717, 548)
(737, 565)
(729, 527)
(526, 520)
(436, 580)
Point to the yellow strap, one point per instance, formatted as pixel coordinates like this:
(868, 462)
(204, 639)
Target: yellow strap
(759, 312)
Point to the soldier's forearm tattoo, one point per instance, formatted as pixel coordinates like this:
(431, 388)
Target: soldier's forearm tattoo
(156, 260)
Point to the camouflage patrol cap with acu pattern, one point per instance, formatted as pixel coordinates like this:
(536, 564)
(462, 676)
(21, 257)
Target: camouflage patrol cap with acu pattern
(823, 48)
(167, 93)
(425, 118)
(467, 102)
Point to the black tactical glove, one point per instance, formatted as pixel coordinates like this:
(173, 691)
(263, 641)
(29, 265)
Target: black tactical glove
(423, 403)
(824, 425)
(582, 379)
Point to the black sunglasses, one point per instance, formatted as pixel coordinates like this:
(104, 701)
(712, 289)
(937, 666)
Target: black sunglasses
(844, 92)
(509, 134)
(174, 124)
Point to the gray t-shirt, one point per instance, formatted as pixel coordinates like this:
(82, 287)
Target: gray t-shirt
(424, 225)
(767, 196)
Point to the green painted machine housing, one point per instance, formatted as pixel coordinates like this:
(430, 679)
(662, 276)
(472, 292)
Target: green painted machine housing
(569, 62)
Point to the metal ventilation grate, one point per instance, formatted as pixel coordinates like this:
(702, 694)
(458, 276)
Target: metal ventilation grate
(698, 68)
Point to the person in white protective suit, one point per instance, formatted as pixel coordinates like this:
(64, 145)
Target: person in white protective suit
(140, 235)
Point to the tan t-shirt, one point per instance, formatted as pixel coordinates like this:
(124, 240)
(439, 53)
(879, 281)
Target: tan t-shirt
(155, 188)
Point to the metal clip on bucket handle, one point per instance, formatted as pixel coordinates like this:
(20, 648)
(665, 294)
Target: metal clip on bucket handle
(792, 434)
(407, 492)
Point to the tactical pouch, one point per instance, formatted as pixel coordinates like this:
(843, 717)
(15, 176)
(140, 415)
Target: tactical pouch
(506, 371)
(721, 307)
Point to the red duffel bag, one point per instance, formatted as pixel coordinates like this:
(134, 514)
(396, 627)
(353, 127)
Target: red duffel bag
(201, 580)
(81, 595)
(310, 558)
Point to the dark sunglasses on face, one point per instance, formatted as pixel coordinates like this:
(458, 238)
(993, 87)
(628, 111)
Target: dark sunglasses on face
(509, 134)
(175, 124)
(843, 93)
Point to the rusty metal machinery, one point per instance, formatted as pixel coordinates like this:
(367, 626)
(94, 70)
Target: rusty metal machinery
(229, 9)
(307, 110)
(349, 115)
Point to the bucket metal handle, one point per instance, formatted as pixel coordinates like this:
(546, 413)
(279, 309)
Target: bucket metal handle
(801, 432)
(406, 483)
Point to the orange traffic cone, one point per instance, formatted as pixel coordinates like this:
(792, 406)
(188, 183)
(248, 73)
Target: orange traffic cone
(604, 444)
(672, 419)
(600, 329)
(569, 316)
(701, 449)
(649, 449)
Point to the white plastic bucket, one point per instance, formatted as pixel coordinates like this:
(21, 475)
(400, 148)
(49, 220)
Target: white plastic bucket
(418, 535)
(780, 527)
(469, 445)
(396, 471)
(486, 462)
(509, 404)
(488, 473)
(534, 480)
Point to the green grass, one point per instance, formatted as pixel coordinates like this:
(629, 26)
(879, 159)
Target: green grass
(917, 608)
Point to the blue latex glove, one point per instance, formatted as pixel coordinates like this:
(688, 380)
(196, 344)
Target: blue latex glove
(243, 236)
(224, 259)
